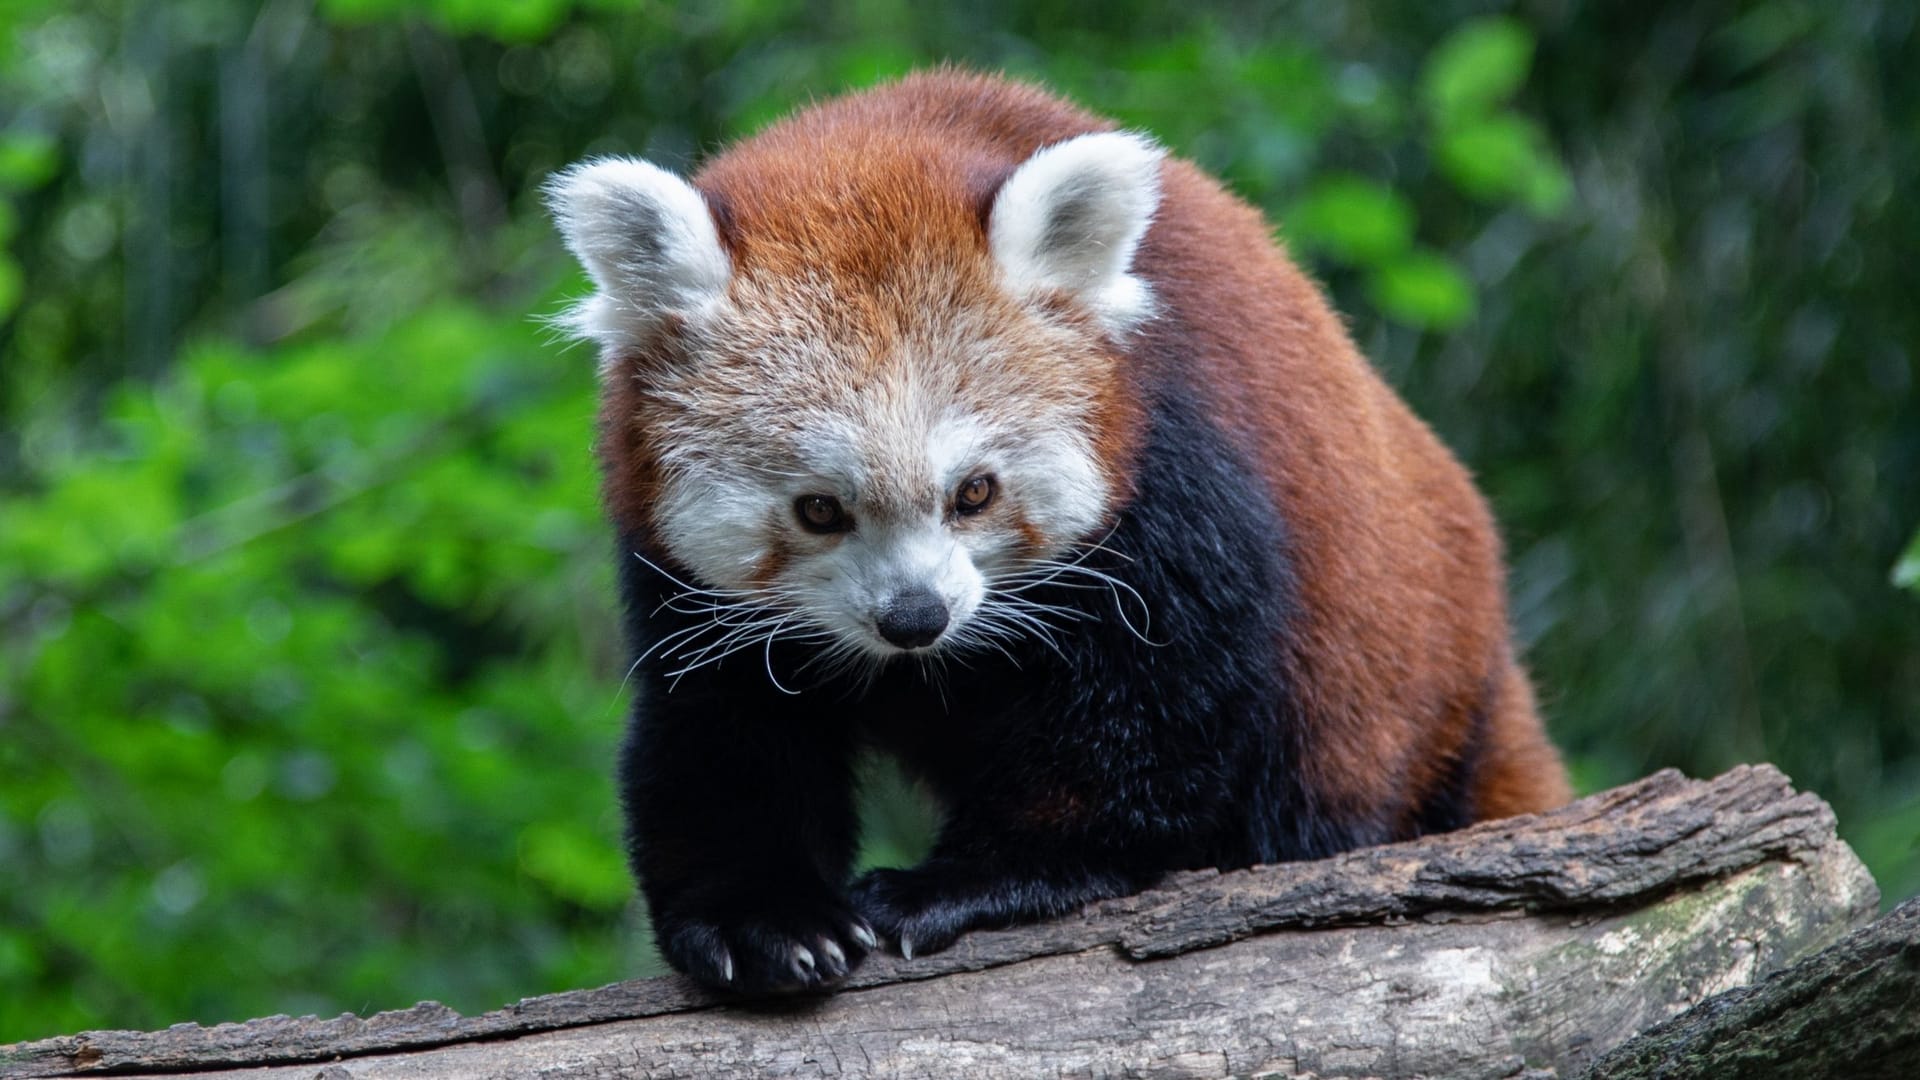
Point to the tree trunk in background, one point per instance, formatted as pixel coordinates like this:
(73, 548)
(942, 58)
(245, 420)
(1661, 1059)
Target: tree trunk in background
(1527, 947)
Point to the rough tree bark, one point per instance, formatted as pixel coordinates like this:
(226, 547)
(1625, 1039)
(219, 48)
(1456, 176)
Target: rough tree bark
(1527, 947)
(1852, 1012)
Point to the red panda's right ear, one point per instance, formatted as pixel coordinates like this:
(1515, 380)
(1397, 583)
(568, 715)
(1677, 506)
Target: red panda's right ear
(648, 241)
(1070, 218)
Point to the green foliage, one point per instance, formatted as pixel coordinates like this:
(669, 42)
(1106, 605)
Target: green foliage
(1423, 288)
(234, 732)
(27, 160)
(1481, 65)
(1906, 572)
(1352, 219)
(309, 673)
(1488, 150)
(1365, 224)
(520, 21)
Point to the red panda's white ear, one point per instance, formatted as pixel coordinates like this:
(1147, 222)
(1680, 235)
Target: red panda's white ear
(1070, 218)
(645, 237)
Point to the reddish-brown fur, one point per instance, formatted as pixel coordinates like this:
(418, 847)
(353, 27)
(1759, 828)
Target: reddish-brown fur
(1396, 555)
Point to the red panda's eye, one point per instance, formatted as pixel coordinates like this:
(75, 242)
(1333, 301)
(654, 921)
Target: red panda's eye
(821, 513)
(975, 494)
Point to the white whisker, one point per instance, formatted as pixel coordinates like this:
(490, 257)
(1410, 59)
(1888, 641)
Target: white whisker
(1012, 609)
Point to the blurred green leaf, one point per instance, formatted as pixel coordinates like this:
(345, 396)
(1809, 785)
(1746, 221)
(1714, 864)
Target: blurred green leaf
(1479, 65)
(1423, 288)
(1761, 31)
(28, 159)
(353, 12)
(576, 865)
(515, 21)
(872, 62)
(1504, 156)
(523, 20)
(1351, 218)
(12, 283)
(1906, 572)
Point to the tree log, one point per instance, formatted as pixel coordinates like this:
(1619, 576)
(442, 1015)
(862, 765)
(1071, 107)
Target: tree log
(1852, 1012)
(1524, 947)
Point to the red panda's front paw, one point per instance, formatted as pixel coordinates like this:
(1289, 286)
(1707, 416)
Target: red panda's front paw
(769, 953)
(917, 910)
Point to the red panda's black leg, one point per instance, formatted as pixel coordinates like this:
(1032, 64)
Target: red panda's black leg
(741, 831)
(926, 908)
(1043, 838)
(740, 820)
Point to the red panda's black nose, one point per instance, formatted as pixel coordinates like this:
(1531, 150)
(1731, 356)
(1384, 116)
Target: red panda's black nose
(912, 618)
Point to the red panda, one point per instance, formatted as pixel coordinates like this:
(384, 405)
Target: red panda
(944, 419)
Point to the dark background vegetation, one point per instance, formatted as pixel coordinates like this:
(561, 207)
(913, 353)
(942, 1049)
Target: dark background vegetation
(308, 668)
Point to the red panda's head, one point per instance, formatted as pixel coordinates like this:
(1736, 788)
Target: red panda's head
(867, 386)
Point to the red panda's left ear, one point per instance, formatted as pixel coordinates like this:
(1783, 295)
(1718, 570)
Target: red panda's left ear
(1070, 217)
(647, 239)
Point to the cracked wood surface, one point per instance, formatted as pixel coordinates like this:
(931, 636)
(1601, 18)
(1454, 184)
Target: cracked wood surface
(1536, 942)
(1852, 1012)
